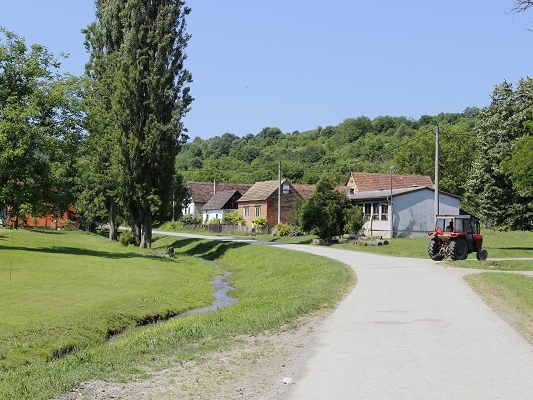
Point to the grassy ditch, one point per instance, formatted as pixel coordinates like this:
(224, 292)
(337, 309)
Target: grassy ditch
(74, 285)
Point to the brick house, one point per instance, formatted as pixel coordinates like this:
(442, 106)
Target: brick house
(261, 200)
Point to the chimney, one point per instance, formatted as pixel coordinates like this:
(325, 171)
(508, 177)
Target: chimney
(215, 186)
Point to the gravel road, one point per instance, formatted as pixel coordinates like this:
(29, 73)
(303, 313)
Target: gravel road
(412, 329)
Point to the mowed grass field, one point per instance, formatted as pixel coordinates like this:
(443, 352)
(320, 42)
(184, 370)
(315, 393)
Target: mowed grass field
(63, 294)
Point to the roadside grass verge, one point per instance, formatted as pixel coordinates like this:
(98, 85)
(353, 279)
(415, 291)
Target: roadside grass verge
(509, 295)
(274, 287)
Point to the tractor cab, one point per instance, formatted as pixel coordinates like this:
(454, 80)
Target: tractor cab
(456, 236)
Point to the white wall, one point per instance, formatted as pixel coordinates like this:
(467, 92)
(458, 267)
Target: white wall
(414, 213)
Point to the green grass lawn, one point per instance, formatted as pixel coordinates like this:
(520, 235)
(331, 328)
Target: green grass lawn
(63, 293)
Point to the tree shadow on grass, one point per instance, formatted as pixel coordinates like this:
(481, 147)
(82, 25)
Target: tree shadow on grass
(207, 249)
(76, 251)
(514, 248)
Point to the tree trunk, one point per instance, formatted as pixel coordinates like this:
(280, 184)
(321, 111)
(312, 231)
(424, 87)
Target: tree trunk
(112, 220)
(136, 230)
(146, 238)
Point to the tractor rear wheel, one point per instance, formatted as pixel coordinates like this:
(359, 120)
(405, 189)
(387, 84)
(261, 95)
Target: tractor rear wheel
(458, 249)
(433, 248)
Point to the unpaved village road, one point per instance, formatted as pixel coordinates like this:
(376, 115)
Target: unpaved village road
(411, 329)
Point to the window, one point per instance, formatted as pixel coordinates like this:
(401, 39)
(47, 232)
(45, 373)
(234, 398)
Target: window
(246, 212)
(257, 211)
(384, 212)
(376, 211)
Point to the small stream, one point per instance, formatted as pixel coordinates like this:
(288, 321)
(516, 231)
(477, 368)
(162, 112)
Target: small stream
(222, 287)
(222, 300)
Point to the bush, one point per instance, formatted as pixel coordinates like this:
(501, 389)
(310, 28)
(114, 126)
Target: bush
(233, 218)
(126, 238)
(260, 222)
(190, 219)
(282, 229)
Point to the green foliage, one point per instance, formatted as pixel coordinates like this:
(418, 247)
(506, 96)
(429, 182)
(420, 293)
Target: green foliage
(190, 220)
(520, 166)
(327, 212)
(282, 229)
(233, 218)
(260, 222)
(40, 128)
(490, 193)
(126, 238)
(140, 94)
(214, 221)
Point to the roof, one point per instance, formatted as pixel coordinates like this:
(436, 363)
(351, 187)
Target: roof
(201, 192)
(219, 199)
(261, 190)
(385, 194)
(305, 191)
(366, 181)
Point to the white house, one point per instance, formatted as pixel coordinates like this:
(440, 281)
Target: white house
(412, 213)
(201, 193)
(222, 202)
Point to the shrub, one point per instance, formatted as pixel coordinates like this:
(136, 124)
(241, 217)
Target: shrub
(190, 219)
(282, 229)
(126, 238)
(233, 218)
(260, 222)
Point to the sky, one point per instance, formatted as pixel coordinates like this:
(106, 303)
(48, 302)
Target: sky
(300, 64)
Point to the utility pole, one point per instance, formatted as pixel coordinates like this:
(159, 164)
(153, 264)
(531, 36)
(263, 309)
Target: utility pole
(391, 205)
(279, 192)
(437, 131)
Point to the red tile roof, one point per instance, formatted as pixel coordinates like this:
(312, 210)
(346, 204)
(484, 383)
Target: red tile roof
(365, 181)
(260, 191)
(305, 191)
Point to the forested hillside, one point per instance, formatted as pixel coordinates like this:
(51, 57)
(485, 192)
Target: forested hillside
(357, 144)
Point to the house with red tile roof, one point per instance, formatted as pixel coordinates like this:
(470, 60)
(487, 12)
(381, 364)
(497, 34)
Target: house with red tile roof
(262, 200)
(398, 205)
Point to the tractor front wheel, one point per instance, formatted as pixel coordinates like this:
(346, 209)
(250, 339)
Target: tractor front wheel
(458, 249)
(482, 254)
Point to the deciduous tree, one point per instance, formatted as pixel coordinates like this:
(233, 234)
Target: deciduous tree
(40, 128)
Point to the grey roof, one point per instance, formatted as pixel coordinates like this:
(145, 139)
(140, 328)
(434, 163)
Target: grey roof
(385, 194)
(219, 200)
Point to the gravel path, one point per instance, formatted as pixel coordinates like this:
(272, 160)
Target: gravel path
(411, 329)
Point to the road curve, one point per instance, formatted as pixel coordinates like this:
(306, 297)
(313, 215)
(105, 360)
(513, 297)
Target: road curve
(411, 329)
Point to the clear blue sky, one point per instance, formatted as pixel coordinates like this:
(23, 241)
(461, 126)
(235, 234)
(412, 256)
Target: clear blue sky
(300, 64)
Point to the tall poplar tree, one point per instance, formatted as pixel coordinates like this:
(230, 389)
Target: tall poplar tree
(137, 71)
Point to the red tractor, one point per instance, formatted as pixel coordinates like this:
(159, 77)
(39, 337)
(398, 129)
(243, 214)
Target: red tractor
(456, 236)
